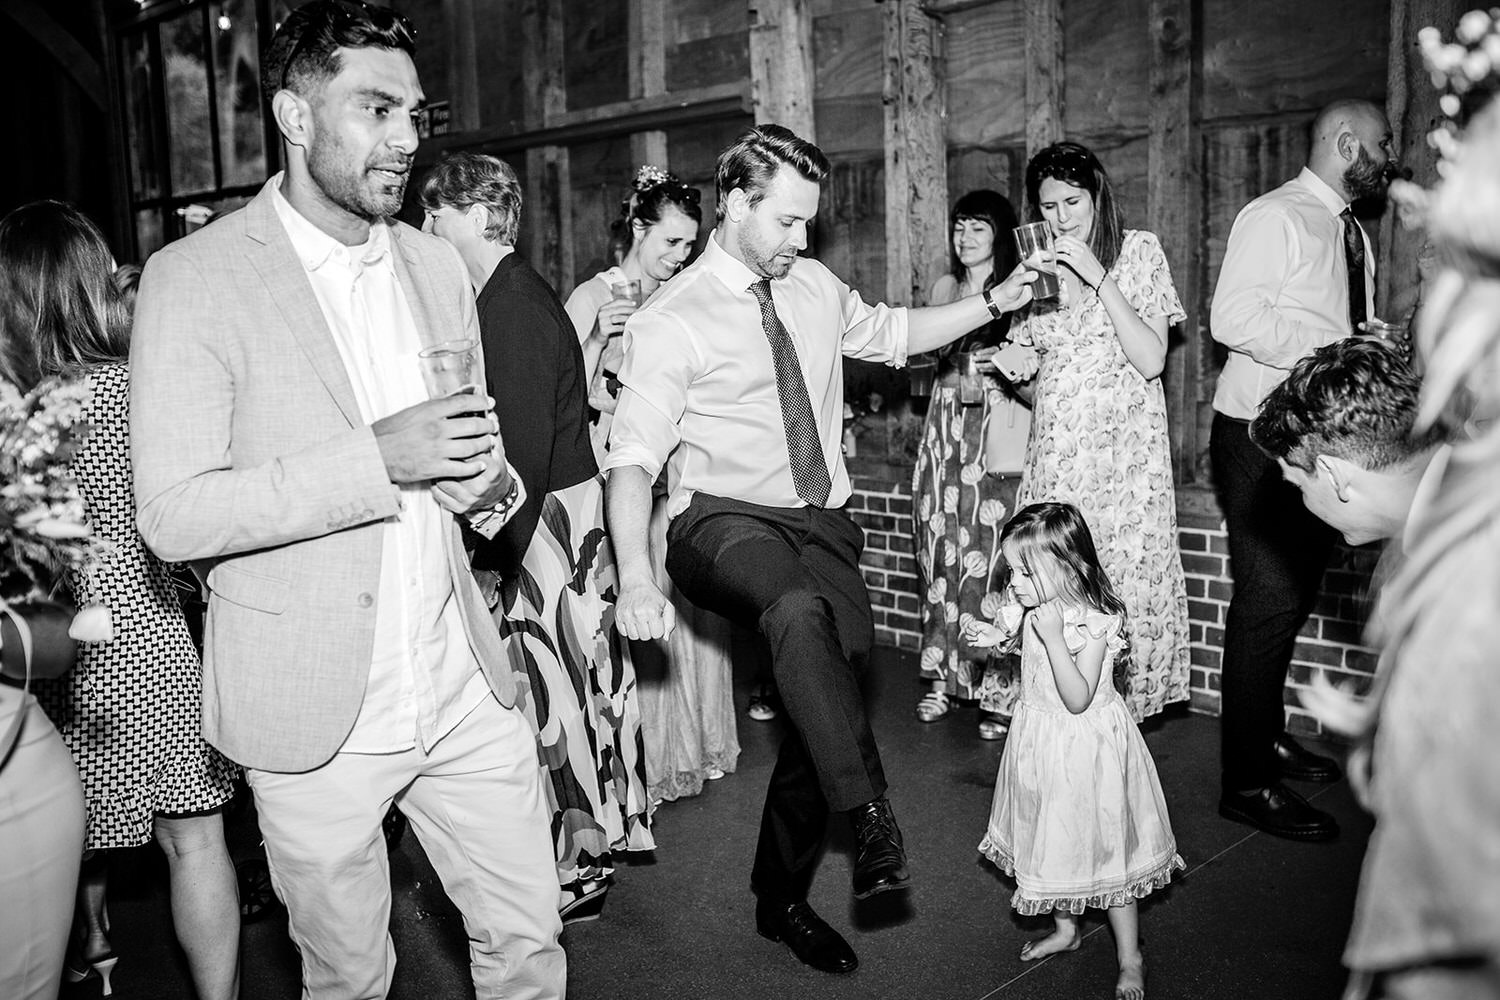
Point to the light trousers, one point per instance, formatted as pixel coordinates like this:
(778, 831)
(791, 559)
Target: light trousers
(41, 846)
(477, 805)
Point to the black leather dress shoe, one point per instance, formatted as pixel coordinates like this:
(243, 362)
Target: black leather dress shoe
(1301, 764)
(879, 856)
(811, 940)
(1279, 811)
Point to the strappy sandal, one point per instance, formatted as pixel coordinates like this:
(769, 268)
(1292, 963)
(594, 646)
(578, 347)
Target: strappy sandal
(993, 727)
(933, 706)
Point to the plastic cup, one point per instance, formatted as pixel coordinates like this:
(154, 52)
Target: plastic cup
(628, 290)
(970, 380)
(450, 367)
(1031, 238)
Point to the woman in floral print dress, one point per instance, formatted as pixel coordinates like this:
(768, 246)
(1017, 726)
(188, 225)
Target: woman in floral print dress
(959, 508)
(1099, 418)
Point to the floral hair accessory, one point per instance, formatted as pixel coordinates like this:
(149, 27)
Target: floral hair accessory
(650, 175)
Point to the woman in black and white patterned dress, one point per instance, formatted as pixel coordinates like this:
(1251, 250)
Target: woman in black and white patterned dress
(130, 711)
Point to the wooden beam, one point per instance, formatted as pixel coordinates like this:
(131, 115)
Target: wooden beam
(1044, 74)
(548, 216)
(602, 122)
(463, 64)
(60, 44)
(916, 153)
(1173, 210)
(647, 45)
(1412, 107)
(781, 64)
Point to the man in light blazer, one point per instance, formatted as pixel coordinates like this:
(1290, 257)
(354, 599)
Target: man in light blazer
(283, 442)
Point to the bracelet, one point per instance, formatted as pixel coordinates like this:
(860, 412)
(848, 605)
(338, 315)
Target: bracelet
(990, 303)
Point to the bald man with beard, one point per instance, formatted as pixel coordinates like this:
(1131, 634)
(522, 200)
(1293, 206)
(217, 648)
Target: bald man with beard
(1298, 274)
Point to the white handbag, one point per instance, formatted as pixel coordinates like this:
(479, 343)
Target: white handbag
(1005, 436)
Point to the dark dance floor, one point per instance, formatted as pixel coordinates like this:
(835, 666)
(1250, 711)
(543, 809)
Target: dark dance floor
(1253, 917)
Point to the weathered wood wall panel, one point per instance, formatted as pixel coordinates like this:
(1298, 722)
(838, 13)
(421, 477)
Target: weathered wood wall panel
(1412, 105)
(986, 75)
(599, 174)
(1276, 56)
(997, 169)
(916, 168)
(1107, 51)
(847, 82)
(497, 42)
(596, 65)
(707, 43)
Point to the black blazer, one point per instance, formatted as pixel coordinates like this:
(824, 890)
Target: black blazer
(534, 371)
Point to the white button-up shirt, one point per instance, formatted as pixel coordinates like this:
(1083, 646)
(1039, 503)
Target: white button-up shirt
(424, 677)
(1283, 290)
(699, 382)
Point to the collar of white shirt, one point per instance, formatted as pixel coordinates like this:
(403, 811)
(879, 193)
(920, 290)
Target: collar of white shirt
(315, 247)
(726, 266)
(1321, 191)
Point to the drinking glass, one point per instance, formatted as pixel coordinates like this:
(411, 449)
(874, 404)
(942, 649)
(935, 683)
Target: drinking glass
(971, 388)
(628, 290)
(1033, 237)
(450, 367)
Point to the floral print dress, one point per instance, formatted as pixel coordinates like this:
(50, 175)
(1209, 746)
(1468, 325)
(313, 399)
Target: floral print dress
(959, 511)
(1099, 442)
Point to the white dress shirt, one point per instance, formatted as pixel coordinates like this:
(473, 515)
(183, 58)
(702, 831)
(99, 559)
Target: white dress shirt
(1283, 289)
(698, 377)
(424, 677)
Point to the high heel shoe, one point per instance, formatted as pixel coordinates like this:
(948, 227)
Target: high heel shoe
(103, 967)
(581, 903)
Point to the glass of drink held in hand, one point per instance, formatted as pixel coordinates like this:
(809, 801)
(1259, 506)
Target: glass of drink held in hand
(451, 367)
(628, 290)
(1031, 238)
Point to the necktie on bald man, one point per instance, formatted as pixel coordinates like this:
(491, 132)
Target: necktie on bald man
(1354, 256)
(804, 444)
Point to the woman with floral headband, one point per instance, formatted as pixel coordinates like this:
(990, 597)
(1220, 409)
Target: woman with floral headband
(687, 701)
(1099, 417)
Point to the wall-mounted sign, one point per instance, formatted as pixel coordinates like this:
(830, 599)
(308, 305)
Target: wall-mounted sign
(433, 120)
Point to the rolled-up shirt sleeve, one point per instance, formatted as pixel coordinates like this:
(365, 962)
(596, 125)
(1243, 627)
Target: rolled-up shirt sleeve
(872, 333)
(660, 363)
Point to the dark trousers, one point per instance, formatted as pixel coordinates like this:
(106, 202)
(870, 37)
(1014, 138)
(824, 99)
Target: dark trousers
(793, 575)
(1277, 554)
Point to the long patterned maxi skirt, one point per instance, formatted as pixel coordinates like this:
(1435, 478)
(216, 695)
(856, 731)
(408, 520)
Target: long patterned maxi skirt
(576, 685)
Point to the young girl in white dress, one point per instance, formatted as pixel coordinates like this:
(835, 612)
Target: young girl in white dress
(1078, 818)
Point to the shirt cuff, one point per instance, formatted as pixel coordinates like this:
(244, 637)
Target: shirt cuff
(487, 521)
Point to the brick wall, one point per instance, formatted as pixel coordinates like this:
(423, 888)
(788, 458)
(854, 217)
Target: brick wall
(1330, 641)
(881, 504)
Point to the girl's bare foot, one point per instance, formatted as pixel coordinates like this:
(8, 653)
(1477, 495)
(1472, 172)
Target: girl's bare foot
(1132, 982)
(1062, 939)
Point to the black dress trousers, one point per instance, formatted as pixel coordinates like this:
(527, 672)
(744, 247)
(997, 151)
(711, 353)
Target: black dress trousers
(793, 575)
(1277, 554)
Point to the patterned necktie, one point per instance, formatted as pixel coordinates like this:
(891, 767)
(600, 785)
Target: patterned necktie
(804, 445)
(1354, 256)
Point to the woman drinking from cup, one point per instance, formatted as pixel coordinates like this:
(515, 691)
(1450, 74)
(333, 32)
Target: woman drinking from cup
(960, 506)
(653, 237)
(1099, 418)
(687, 701)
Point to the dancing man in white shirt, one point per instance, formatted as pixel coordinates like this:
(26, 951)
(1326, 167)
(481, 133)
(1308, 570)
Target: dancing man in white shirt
(733, 379)
(1298, 274)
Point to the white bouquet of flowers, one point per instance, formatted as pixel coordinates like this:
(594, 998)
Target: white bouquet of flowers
(43, 533)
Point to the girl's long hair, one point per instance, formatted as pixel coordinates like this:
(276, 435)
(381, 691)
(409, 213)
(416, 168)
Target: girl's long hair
(1058, 533)
(60, 311)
